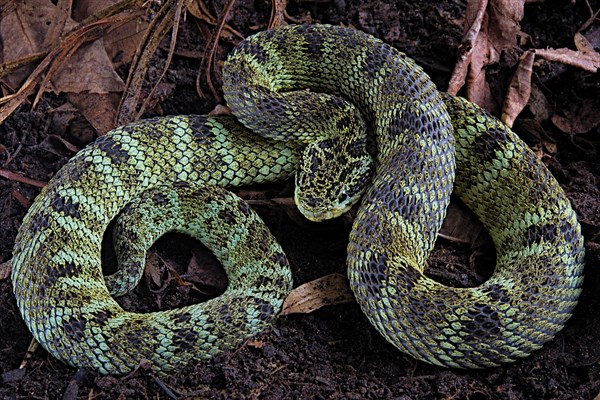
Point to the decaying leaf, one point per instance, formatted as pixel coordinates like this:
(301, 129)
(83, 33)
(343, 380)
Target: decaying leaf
(27, 36)
(5, 269)
(462, 226)
(98, 109)
(504, 26)
(582, 119)
(327, 290)
(539, 106)
(199, 10)
(518, 94)
(152, 269)
(204, 269)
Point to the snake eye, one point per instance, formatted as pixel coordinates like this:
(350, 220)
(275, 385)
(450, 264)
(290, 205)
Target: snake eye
(344, 197)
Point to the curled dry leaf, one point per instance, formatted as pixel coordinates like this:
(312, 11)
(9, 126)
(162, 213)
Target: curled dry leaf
(588, 61)
(490, 28)
(478, 90)
(504, 28)
(327, 290)
(519, 90)
(473, 21)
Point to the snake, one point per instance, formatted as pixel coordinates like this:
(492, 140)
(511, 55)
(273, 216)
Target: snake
(295, 92)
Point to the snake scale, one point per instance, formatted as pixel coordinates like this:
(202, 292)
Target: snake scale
(168, 166)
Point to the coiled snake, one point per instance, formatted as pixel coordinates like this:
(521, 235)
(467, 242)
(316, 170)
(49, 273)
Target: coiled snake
(179, 163)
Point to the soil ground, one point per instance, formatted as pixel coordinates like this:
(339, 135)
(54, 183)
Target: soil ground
(333, 353)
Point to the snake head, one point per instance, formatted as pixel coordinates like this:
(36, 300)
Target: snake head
(331, 178)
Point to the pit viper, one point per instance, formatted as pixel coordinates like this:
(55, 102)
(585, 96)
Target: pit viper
(165, 167)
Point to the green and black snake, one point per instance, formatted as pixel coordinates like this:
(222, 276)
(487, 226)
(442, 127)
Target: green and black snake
(173, 170)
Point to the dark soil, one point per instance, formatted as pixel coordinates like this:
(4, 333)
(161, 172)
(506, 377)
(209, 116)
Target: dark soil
(333, 353)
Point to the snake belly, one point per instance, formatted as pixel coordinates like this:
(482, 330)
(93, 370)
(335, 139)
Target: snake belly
(418, 131)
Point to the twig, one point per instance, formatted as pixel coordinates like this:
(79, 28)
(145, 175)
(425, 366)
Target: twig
(208, 61)
(14, 176)
(161, 23)
(176, 20)
(466, 50)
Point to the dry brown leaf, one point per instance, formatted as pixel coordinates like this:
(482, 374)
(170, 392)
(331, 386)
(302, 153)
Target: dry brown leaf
(589, 61)
(26, 33)
(55, 57)
(5, 269)
(487, 34)
(98, 109)
(583, 44)
(123, 41)
(86, 69)
(478, 90)
(538, 104)
(584, 118)
(169, 16)
(205, 269)
(278, 14)
(89, 69)
(327, 290)
(504, 28)
(60, 20)
(199, 10)
(519, 90)
(152, 271)
(461, 225)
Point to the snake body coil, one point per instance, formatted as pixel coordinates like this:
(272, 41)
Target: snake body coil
(57, 276)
